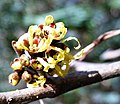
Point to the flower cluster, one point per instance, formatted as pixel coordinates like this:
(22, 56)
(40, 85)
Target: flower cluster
(41, 53)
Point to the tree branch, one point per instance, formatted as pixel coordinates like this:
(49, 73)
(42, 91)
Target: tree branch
(110, 54)
(96, 42)
(57, 86)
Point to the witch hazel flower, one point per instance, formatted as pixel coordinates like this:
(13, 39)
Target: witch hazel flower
(42, 53)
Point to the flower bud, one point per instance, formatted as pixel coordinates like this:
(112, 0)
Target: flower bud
(18, 51)
(24, 60)
(26, 76)
(16, 65)
(14, 78)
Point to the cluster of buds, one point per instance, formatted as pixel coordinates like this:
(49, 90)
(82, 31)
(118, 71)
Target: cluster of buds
(41, 53)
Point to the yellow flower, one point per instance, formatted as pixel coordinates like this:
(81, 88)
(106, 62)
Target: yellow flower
(39, 39)
(41, 53)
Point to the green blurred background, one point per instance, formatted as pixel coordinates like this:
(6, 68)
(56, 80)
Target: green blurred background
(85, 19)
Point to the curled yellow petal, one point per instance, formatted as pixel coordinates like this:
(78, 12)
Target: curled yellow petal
(51, 60)
(44, 44)
(51, 31)
(40, 81)
(44, 63)
(60, 31)
(68, 57)
(40, 45)
(67, 50)
(79, 54)
(34, 84)
(20, 43)
(59, 71)
(31, 31)
(60, 55)
(48, 20)
(73, 38)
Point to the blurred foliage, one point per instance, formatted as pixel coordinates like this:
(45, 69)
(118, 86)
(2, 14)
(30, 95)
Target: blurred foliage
(85, 19)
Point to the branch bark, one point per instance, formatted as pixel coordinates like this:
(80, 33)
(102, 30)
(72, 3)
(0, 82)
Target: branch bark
(110, 54)
(97, 41)
(57, 86)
